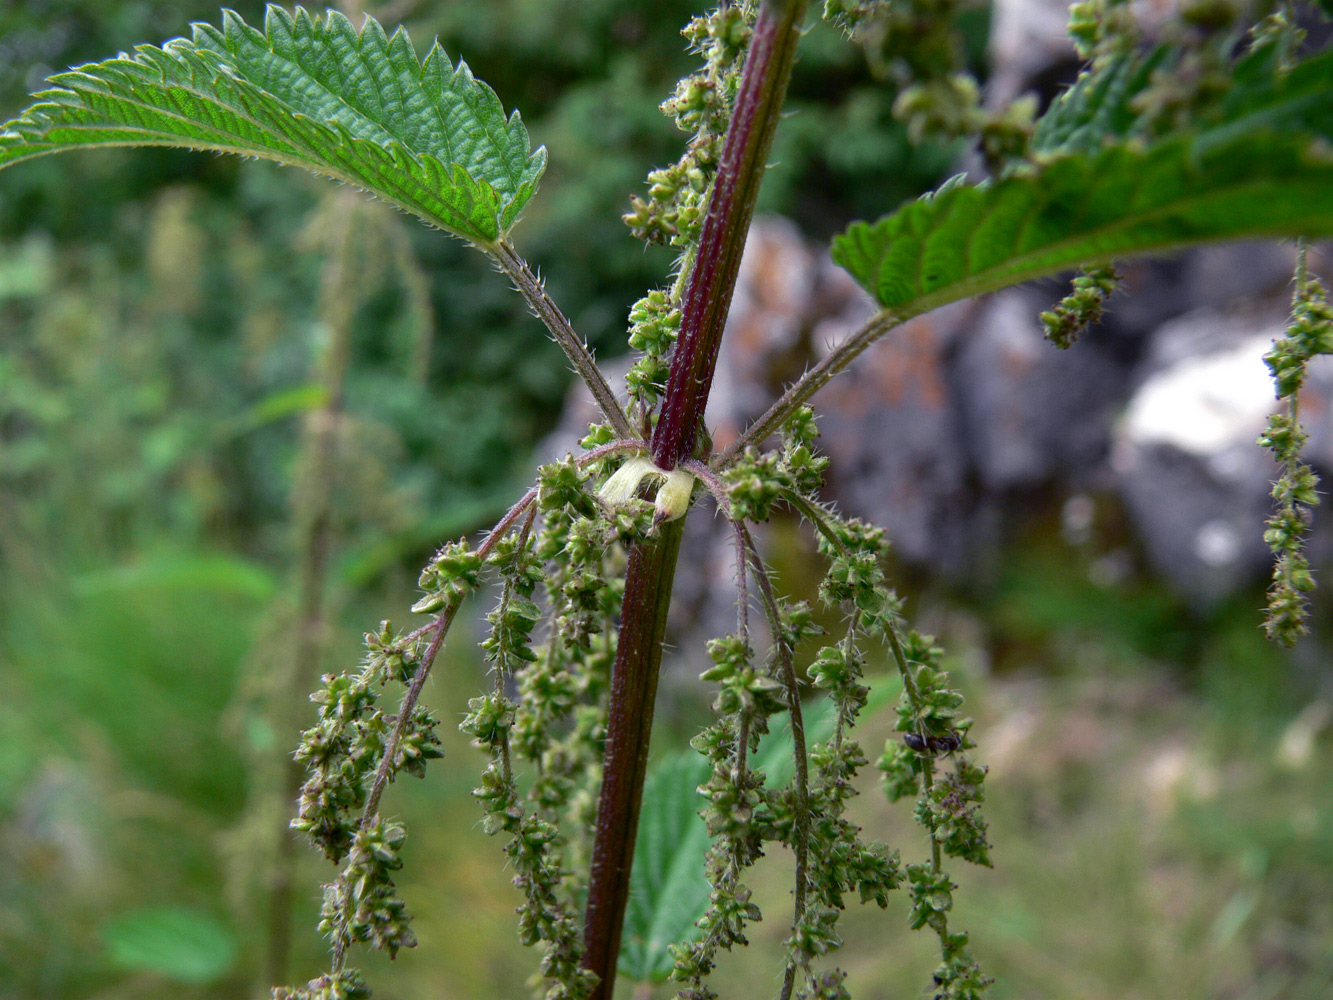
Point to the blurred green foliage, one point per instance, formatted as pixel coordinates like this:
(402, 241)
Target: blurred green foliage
(158, 327)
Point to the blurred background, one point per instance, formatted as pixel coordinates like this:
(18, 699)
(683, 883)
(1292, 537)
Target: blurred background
(230, 435)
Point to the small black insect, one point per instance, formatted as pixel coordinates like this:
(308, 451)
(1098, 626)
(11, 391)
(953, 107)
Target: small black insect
(945, 744)
(933, 744)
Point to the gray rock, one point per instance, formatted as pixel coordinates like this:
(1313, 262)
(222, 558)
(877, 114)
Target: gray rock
(1031, 413)
(1027, 39)
(1158, 290)
(1185, 460)
(892, 428)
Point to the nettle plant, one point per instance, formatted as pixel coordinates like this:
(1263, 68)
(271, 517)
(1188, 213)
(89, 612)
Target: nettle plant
(1213, 126)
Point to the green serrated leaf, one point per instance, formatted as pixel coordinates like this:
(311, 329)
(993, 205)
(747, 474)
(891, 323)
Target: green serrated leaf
(1101, 108)
(668, 890)
(312, 92)
(1087, 209)
(1259, 165)
(1098, 107)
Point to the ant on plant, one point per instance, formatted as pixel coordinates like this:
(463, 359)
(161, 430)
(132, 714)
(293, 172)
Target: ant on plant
(933, 745)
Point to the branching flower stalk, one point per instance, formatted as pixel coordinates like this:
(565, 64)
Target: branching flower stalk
(355, 751)
(931, 727)
(1309, 334)
(740, 815)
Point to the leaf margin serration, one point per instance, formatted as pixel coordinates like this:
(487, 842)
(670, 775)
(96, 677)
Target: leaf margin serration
(1062, 214)
(207, 69)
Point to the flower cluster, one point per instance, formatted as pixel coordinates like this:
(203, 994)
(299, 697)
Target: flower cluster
(353, 739)
(756, 481)
(809, 814)
(572, 546)
(918, 45)
(350, 754)
(849, 14)
(533, 850)
(451, 575)
(1309, 333)
(345, 985)
(947, 806)
(840, 861)
(701, 106)
(747, 696)
(950, 810)
(362, 905)
(1082, 307)
(654, 322)
(1101, 29)
(678, 194)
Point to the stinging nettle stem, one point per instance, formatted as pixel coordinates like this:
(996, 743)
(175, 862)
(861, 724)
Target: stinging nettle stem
(544, 308)
(652, 566)
(648, 580)
(712, 280)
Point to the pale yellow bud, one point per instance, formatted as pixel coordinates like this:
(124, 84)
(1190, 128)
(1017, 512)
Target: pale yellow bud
(673, 491)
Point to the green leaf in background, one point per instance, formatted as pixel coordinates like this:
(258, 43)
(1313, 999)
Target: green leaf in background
(1104, 104)
(668, 890)
(1082, 210)
(1259, 166)
(181, 943)
(355, 106)
(277, 406)
(214, 573)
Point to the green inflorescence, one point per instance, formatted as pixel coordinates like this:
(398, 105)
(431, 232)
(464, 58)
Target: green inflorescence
(1308, 334)
(1082, 307)
(353, 747)
(809, 814)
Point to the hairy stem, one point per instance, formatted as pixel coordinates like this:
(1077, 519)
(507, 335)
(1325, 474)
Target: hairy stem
(713, 278)
(718, 491)
(531, 288)
(801, 845)
(652, 565)
(812, 381)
